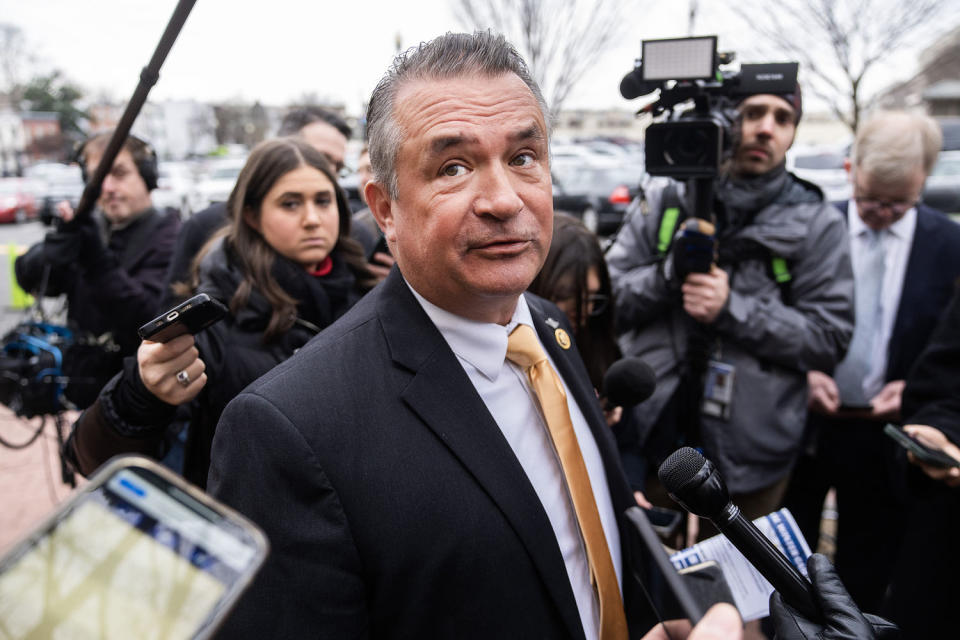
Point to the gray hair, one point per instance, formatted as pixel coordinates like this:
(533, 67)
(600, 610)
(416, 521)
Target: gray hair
(893, 145)
(448, 56)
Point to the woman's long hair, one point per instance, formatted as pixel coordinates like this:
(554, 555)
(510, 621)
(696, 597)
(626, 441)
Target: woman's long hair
(574, 249)
(268, 162)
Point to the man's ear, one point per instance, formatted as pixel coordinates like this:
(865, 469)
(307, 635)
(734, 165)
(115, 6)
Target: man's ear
(381, 206)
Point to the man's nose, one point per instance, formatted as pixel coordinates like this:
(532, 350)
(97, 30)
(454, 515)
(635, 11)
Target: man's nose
(766, 125)
(497, 195)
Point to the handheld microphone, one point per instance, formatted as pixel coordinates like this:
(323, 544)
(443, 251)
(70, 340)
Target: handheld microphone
(628, 381)
(694, 482)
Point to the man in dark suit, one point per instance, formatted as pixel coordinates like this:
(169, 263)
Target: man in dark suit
(906, 259)
(400, 463)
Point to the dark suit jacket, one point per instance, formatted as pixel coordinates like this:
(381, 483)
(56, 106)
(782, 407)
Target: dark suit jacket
(394, 506)
(932, 271)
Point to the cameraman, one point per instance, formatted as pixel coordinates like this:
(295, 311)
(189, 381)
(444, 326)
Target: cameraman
(111, 265)
(776, 302)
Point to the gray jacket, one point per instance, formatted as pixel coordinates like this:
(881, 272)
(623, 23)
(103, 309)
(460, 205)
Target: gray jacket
(771, 344)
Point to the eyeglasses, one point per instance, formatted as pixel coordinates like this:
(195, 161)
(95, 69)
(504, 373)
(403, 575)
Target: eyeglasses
(896, 207)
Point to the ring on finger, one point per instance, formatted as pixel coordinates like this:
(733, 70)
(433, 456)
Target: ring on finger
(183, 378)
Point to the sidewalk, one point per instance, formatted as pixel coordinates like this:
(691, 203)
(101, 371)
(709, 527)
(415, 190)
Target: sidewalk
(30, 484)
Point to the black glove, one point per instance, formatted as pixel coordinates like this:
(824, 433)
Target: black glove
(61, 248)
(693, 250)
(842, 618)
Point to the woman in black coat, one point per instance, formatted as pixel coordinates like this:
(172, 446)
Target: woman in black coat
(286, 268)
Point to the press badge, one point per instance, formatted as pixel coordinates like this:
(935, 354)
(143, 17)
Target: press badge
(718, 390)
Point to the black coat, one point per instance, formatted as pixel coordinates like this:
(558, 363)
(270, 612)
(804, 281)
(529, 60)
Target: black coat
(127, 417)
(394, 506)
(116, 298)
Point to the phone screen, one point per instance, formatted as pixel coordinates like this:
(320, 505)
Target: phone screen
(133, 558)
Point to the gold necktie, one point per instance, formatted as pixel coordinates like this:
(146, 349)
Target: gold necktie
(524, 349)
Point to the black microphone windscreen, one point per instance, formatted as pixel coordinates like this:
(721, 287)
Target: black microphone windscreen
(628, 382)
(682, 465)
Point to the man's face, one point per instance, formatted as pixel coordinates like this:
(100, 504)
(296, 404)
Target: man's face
(124, 193)
(767, 130)
(471, 225)
(327, 140)
(880, 203)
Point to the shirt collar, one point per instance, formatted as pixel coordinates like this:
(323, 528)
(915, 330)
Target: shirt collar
(482, 344)
(902, 228)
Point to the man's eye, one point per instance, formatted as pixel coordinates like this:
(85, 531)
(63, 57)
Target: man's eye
(453, 170)
(522, 160)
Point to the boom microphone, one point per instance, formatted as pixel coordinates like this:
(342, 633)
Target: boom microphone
(694, 482)
(628, 381)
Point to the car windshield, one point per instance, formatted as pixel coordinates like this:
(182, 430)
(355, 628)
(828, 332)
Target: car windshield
(225, 173)
(820, 161)
(947, 167)
(591, 180)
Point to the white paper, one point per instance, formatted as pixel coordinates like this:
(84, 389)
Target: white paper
(751, 591)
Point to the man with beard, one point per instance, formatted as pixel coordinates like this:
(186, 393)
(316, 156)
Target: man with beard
(731, 347)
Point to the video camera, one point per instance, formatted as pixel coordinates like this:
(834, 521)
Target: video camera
(695, 142)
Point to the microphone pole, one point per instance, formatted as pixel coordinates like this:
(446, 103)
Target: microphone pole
(148, 77)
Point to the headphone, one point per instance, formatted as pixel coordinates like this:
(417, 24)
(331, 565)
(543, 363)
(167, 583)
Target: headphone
(143, 153)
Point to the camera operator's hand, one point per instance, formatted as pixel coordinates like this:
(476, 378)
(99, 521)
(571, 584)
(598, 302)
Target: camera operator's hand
(842, 619)
(705, 294)
(172, 371)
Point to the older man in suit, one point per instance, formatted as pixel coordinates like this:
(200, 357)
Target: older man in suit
(906, 260)
(401, 465)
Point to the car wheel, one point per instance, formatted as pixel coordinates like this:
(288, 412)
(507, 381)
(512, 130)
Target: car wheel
(590, 219)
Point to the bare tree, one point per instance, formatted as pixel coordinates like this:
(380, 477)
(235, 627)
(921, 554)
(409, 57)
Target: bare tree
(560, 39)
(839, 42)
(15, 59)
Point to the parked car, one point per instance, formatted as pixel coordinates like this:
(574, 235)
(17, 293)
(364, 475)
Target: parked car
(176, 188)
(823, 166)
(218, 183)
(17, 202)
(598, 196)
(942, 189)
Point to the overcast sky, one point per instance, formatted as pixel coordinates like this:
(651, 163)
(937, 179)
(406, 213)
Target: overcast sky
(277, 51)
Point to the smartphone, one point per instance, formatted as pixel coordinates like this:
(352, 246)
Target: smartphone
(136, 553)
(192, 316)
(925, 454)
(675, 600)
(664, 521)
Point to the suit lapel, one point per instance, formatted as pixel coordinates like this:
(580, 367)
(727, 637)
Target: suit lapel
(574, 374)
(462, 422)
(913, 297)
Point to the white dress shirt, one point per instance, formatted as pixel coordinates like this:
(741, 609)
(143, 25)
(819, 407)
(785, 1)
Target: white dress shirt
(481, 349)
(897, 240)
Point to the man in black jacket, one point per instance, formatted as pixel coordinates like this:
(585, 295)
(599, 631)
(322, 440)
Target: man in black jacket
(110, 265)
(906, 259)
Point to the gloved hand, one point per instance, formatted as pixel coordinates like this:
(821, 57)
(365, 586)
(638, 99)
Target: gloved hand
(693, 249)
(75, 242)
(842, 619)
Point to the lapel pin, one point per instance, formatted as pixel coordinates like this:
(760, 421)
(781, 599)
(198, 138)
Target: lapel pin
(552, 323)
(562, 338)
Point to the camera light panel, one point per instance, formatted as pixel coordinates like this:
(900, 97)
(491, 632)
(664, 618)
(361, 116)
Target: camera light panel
(679, 58)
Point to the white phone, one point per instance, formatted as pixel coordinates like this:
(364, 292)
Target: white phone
(136, 553)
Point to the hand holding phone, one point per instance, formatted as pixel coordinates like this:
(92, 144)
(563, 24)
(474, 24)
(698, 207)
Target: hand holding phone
(172, 370)
(924, 453)
(192, 316)
(136, 551)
